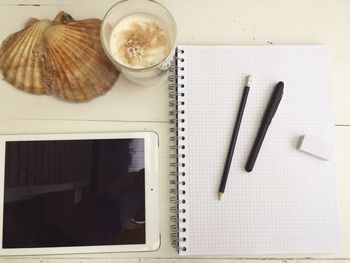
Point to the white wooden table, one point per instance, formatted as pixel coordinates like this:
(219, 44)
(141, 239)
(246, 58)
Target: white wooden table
(129, 107)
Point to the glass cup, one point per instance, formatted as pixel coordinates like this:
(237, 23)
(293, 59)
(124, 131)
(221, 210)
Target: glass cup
(145, 76)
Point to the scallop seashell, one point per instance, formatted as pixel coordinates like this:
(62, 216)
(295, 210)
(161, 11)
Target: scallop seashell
(19, 61)
(62, 57)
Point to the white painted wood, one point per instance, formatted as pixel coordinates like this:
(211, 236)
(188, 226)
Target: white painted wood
(250, 22)
(227, 22)
(254, 22)
(166, 251)
(161, 260)
(124, 101)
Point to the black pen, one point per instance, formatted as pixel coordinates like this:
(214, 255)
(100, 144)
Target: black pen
(234, 136)
(265, 123)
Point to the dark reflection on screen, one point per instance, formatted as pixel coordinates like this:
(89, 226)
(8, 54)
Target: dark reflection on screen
(74, 193)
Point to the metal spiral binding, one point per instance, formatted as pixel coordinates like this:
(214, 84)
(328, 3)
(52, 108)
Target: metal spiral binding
(177, 156)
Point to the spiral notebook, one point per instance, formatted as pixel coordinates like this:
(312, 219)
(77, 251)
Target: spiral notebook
(287, 205)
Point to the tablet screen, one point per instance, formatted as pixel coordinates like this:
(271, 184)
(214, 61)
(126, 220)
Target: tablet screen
(62, 193)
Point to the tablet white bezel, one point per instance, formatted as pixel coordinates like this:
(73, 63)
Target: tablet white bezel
(151, 193)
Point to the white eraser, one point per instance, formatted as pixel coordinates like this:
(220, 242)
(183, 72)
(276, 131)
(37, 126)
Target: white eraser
(315, 147)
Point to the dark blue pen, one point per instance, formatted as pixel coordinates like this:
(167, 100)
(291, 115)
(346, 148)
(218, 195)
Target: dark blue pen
(265, 123)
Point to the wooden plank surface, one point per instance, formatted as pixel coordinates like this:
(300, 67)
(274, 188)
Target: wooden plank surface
(166, 252)
(123, 102)
(129, 107)
(248, 22)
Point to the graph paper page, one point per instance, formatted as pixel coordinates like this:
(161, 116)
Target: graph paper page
(287, 204)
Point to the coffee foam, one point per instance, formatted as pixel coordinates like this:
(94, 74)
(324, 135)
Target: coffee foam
(139, 41)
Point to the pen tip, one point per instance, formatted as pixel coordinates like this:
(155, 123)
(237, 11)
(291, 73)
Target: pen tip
(248, 81)
(220, 195)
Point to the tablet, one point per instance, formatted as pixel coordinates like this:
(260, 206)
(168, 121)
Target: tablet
(79, 193)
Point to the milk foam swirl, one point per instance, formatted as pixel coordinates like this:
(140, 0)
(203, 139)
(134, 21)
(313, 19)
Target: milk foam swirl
(139, 41)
